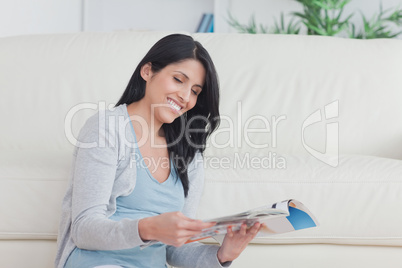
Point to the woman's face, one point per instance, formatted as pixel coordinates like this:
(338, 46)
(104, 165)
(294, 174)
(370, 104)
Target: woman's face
(173, 90)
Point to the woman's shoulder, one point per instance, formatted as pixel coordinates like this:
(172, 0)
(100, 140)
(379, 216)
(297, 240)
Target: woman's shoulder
(103, 122)
(107, 114)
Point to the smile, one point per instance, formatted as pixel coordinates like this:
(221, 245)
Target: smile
(174, 105)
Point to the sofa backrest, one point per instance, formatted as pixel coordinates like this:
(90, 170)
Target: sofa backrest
(270, 82)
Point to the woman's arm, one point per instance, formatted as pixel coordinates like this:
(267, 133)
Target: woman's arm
(199, 255)
(194, 255)
(93, 180)
(171, 228)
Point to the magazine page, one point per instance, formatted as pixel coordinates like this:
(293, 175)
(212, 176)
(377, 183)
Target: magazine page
(235, 221)
(286, 216)
(299, 218)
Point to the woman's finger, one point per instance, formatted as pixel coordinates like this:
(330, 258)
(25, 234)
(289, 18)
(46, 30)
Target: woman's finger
(187, 234)
(230, 231)
(243, 229)
(254, 230)
(197, 225)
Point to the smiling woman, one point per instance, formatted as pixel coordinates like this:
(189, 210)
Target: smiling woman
(116, 204)
(173, 68)
(175, 87)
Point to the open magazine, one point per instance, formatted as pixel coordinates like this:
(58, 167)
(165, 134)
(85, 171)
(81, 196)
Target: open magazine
(286, 216)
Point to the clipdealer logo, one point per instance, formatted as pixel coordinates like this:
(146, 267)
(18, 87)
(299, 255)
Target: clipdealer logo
(330, 156)
(331, 153)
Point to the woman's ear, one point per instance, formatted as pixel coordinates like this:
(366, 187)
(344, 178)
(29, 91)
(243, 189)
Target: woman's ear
(146, 71)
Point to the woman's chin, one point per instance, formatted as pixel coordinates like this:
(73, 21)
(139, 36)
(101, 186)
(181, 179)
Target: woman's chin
(168, 119)
(171, 116)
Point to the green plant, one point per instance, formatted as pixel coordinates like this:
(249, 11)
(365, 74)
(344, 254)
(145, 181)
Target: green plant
(324, 17)
(244, 28)
(379, 25)
(292, 28)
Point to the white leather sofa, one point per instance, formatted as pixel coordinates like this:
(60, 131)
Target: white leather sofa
(325, 112)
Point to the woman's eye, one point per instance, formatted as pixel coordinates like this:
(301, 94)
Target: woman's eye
(177, 79)
(195, 92)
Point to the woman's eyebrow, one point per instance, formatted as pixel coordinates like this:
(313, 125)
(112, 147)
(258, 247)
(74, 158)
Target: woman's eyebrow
(188, 78)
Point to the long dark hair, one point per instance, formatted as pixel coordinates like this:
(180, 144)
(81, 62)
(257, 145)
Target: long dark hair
(203, 116)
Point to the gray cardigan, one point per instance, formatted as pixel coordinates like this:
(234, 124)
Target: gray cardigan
(103, 169)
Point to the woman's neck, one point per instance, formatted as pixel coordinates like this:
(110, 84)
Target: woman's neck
(141, 119)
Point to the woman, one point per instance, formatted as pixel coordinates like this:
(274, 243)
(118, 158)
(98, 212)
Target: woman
(132, 186)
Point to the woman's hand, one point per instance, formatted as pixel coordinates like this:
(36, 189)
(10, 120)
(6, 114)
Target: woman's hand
(235, 242)
(172, 228)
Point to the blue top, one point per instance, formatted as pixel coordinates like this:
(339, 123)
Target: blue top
(149, 198)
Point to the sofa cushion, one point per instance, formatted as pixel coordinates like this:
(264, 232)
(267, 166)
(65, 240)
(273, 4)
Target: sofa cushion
(32, 185)
(354, 203)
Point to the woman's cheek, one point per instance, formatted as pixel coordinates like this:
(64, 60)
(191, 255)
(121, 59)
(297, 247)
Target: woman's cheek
(193, 102)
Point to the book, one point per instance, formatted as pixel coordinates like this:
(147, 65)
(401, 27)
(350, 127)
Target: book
(202, 23)
(206, 23)
(210, 28)
(281, 217)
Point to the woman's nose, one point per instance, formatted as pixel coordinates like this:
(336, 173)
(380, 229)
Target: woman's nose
(184, 94)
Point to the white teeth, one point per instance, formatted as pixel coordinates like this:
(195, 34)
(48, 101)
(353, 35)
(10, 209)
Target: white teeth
(174, 105)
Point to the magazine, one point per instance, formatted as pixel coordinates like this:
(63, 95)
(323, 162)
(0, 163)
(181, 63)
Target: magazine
(285, 216)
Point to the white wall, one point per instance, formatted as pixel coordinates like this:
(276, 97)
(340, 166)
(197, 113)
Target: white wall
(171, 15)
(58, 16)
(19, 17)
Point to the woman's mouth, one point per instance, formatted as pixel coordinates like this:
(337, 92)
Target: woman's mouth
(174, 105)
